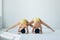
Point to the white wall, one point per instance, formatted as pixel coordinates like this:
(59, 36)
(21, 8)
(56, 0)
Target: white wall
(0, 13)
(0, 7)
(47, 10)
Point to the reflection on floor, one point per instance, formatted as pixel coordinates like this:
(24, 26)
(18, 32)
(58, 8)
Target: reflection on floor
(47, 35)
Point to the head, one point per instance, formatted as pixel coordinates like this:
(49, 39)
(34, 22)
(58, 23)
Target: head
(36, 19)
(24, 21)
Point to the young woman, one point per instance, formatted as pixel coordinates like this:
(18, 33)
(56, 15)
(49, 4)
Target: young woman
(37, 28)
(22, 25)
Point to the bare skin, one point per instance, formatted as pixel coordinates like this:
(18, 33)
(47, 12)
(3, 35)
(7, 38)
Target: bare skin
(38, 25)
(19, 26)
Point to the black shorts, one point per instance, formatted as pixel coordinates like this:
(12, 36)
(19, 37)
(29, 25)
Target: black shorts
(37, 30)
(23, 30)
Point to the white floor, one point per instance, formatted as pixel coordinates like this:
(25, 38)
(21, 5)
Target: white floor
(47, 35)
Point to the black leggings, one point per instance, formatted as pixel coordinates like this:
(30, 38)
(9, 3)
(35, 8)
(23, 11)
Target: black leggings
(37, 30)
(23, 31)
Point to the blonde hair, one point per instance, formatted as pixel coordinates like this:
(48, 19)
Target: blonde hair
(36, 19)
(24, 21)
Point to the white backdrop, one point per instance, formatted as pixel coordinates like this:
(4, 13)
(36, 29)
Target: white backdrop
(0, 13)
(0, 7)
(47, 10)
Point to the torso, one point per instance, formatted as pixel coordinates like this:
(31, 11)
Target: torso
(23, 23)
(37, 23)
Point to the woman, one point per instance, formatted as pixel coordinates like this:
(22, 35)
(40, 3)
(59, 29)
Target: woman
(22, 25)
(37, 28)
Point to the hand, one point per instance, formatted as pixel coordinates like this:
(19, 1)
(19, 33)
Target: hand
(53, 30)
(18, 32)
(41, 32)
(6, 30)
(27, 32)
(33, 32)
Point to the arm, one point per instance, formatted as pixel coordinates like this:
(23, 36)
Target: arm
(19, 28)
(33, 29)
(31, 22)
(46, 25)
(27, 29)
(30, 25)
(41, 29)
(13, 26)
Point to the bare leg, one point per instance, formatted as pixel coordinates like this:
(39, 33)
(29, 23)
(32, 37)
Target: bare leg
(46, 25)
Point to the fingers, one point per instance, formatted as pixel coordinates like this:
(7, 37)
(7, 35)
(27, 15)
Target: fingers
(6, 30)
(53, 30)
